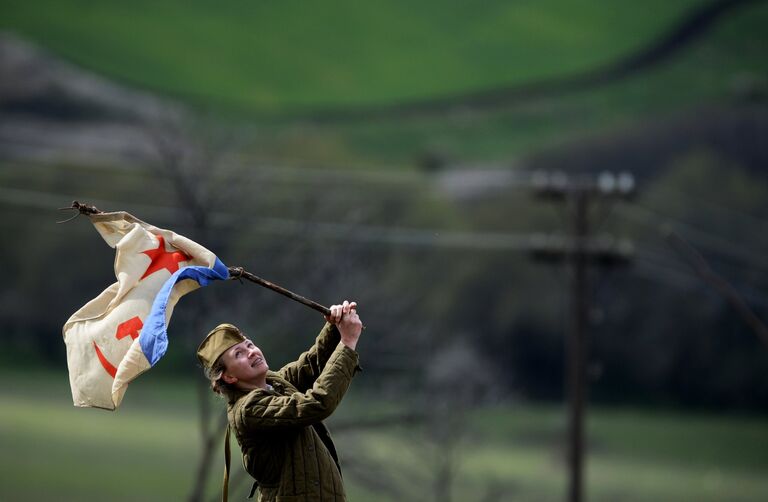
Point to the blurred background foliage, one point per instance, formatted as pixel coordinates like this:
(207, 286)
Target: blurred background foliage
(378, 152)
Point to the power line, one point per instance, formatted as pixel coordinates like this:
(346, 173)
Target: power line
(658, 273)
(678, 276)
(51, 201)
(651, 217)
(681, 280)
(239, 164)
(664, 254)
(344, 232)
(722, 286)
(715, 207)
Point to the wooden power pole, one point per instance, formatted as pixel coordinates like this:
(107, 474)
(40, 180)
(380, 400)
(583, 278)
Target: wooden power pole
(579, 249)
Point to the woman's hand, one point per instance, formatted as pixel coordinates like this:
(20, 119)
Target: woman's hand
(345, 318)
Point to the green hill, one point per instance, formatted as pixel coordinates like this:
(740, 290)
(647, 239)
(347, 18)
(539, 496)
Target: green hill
(282, 59)
(268, 56)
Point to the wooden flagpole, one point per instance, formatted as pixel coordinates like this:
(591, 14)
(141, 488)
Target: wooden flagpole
(239, 272)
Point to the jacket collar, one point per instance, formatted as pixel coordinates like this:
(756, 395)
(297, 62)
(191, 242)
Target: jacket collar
(274, 380)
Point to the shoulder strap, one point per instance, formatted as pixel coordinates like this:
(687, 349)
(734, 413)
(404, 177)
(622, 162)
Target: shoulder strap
(227, 456)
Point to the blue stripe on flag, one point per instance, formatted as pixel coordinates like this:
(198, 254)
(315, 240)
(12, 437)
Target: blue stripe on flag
(154, 334)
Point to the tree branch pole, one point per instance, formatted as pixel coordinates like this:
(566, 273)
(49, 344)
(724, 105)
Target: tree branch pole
(239, 272)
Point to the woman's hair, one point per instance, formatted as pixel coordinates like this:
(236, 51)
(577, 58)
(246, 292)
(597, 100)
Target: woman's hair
(218, 385)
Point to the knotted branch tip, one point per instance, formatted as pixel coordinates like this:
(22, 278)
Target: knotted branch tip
(80, 208)
(236, 273)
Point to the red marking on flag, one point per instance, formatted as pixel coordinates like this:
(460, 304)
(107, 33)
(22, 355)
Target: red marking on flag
(104, 362)
(131, 328)
(162, 259)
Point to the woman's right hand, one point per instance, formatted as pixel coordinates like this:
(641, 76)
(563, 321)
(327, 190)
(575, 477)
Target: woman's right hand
(347, 321)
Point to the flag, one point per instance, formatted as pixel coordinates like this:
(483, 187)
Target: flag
(122, 333)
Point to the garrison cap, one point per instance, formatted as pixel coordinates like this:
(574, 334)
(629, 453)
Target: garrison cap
(221, 338)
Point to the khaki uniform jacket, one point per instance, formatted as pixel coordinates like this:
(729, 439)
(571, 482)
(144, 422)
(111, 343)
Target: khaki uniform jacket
(286, 447)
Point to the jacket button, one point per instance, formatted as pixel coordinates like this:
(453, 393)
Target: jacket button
(317, 483)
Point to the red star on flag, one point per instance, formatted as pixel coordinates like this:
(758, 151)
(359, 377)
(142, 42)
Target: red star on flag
(162, 259)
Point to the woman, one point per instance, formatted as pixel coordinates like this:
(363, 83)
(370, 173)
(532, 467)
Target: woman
(277, 415)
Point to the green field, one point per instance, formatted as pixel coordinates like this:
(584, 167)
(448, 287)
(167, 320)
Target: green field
(293, 54)
(148, 450)
(267, 62)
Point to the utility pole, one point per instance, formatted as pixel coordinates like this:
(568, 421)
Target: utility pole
(579, 250)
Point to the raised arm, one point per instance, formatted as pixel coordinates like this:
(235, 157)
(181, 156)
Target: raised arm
(261, 409)
(343, 325)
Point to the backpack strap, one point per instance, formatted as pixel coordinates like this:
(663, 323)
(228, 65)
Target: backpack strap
(253, 489)
(227, 456)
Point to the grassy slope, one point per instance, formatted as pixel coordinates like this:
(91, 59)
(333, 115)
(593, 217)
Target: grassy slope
(293, 54)
(399, 51)
(709, 72)
(148, 449)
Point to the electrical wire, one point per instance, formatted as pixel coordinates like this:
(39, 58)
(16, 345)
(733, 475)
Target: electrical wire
(346, 232)
(656, 221)
(678, 276)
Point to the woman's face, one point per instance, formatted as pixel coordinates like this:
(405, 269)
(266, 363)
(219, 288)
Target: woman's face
(245, 363)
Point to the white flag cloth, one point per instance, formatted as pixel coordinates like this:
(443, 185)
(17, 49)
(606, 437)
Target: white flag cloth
(123, 332)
